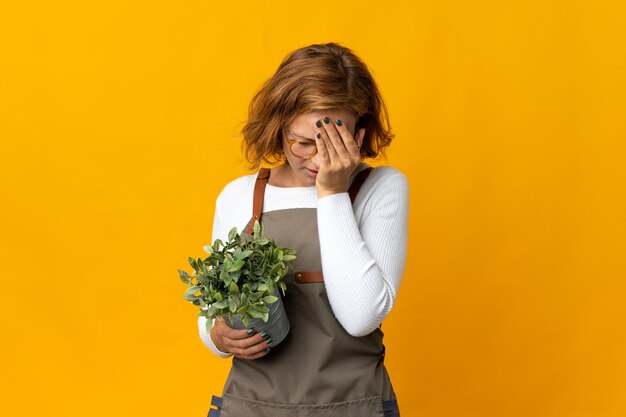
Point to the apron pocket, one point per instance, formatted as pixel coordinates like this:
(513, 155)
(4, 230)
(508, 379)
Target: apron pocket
(234, 406)
(365, 407)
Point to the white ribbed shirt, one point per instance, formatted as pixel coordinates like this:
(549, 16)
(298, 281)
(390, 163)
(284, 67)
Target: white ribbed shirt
(363, 245)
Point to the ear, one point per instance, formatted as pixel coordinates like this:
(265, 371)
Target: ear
(359, 136)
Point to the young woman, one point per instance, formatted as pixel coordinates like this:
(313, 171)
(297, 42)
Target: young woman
(315, 120)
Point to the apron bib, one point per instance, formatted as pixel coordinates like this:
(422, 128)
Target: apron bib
(319, 370)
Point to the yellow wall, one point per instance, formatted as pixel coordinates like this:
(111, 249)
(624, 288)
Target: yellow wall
(119, 125)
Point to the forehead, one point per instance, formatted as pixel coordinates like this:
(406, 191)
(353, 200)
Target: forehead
(307, 120)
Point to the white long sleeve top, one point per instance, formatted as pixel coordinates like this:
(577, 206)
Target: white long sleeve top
(363, 246)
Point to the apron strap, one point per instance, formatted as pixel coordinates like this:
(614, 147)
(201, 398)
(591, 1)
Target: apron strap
(358, 182)
(217, 402)
(390, 408)
(257, 203)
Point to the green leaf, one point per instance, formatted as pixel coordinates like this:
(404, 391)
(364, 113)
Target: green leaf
(274, 270)
(256, 314)
(270, 299)
(237, 265)
(232, 304)
(255, 296)
(225, 277)
(220, 304)
(233, 289)
(256, 228)
(189, 294)
(193, 289)
(192, 262)
(184, 277)
(232, 233)
(189, 297)
(261, 308)
(210, 311)
(288, 257)
(227, 263)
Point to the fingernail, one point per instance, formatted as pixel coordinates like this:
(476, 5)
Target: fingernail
(318, 124)
(318, 135)
(339, 122)
(268, 341)
(266, 350)
(251, 332)
(326, 120)
(264, 335)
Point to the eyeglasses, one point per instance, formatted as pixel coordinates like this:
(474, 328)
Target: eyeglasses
(304, 148)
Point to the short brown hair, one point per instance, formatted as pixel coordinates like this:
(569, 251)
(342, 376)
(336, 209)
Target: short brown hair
(316, 77)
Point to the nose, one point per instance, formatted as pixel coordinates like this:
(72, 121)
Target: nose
(316, 160)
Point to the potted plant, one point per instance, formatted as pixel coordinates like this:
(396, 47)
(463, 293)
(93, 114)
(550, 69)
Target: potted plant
(240, 279)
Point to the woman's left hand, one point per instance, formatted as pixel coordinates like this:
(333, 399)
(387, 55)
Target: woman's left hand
(339, 156)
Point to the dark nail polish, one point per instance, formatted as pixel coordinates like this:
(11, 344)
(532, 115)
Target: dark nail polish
(318, 135)
(326, 119)
(251, 332)
(339, 122)
(264, 335)
(266, 350)
(318, 124)
(268, 341)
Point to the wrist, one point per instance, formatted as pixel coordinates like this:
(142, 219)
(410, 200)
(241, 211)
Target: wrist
(216, 340)
(327, 192)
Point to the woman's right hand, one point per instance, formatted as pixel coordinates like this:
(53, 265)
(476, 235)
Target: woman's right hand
(239, 342)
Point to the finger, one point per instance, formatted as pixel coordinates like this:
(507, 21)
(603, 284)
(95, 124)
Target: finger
(256, 356)
(224, 330)
(322, 150)
(244, 343)
(323, 136)
(335, 138)
(251, 341)
(257, 349)
(349, 141)
(331, 153)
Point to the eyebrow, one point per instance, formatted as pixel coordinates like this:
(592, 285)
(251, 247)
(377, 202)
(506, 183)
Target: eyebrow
(300, 136)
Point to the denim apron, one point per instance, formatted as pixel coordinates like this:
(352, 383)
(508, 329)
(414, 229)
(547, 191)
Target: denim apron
(319, 370)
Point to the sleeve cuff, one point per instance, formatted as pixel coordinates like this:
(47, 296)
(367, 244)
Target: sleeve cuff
(206, 338)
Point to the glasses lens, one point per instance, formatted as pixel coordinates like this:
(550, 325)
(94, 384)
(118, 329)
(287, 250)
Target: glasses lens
(303, 148)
